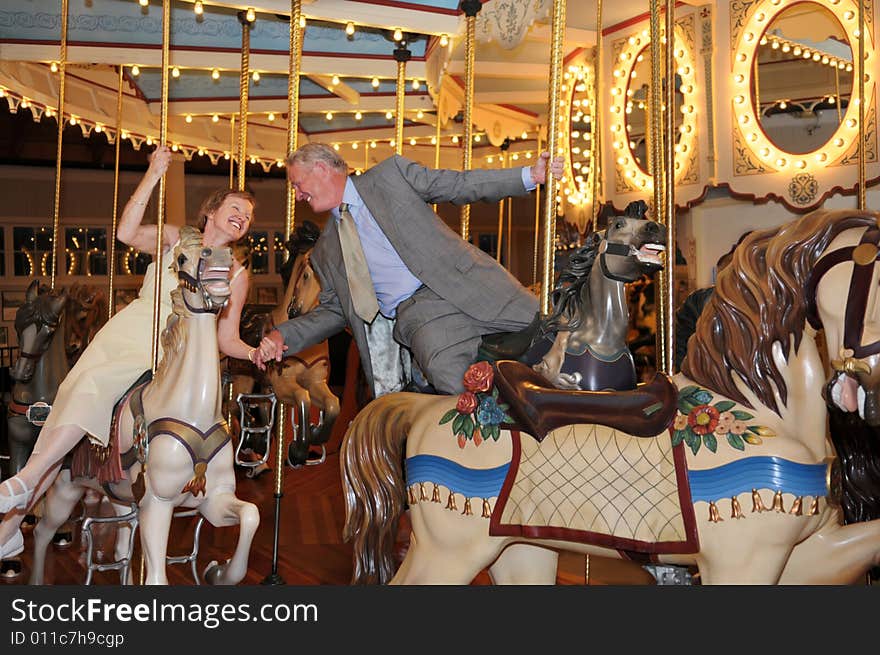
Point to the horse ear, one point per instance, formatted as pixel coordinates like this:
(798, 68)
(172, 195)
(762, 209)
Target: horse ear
(33, 291)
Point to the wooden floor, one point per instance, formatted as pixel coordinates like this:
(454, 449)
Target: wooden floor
(311, 550)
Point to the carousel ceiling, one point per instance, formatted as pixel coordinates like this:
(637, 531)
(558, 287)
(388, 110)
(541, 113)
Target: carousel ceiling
(348, 71)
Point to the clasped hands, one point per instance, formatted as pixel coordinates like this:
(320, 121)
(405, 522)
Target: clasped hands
(271, 348)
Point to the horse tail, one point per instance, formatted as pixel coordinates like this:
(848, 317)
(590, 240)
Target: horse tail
(375, 490)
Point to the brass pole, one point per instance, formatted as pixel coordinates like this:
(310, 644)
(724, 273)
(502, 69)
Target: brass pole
(508, 248)
(861, 70)
(595, 132)
(160, 213)
(667, 305)
(274, 578)
(656, 112)
(504, 146)
(244, 86)
(111, 263)
(470, 8)
(757, 79)
(437, 146)
(401, 55)
(537, 219)
(56, 220)
(232, 151)
(294, 66)
(837, 94)
(557, 34)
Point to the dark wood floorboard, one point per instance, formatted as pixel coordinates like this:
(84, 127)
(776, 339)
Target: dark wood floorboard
(311, 550)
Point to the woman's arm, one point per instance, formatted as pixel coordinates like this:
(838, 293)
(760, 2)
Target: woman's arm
(227, 329)
(130, 231)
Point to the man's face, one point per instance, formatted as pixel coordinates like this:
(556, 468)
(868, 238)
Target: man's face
(318, 185)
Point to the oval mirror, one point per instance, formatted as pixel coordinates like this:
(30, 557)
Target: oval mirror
(802, 78)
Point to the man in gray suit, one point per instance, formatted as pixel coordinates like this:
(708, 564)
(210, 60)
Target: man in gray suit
(441, 292)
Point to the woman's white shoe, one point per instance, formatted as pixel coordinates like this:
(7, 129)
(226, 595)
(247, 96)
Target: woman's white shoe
(12, 547)
(14, 499)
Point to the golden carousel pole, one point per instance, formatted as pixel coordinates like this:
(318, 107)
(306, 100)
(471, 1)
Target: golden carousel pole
(56, 218)
(470, 8)
(537, 220)
(657, 98)
(160, 213)
(503, 158)
(861, 70)
(667, 291)
(244, 80)
(595, 132)
(232, 151)
(111, 264)
(557, 34)
(436, 145)
(401, 55)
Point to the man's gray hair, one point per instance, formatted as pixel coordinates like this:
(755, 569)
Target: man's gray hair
(311, 153)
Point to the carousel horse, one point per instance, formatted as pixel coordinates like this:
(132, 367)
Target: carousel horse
(39, 369)
(86, 314)
(167, 451)
(726, 466)
(300, 380)
(589, 325)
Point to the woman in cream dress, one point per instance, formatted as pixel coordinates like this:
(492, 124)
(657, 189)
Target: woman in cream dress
(120, 352)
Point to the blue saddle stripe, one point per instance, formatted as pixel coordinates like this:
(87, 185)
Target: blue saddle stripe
(481, 483)
(757, 473)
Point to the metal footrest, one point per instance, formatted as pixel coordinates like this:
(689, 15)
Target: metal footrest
(194, 554)
(123, 565)
(250, 429)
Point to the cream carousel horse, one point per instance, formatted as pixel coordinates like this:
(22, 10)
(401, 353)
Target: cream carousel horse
(300, 380)
(174, 449)
(727, 467)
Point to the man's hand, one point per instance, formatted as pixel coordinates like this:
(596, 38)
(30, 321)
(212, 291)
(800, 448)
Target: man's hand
(272, 347)
(539, 170)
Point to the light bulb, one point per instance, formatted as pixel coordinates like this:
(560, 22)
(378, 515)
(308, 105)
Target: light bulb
(251, 15)
(215, 118)
(444, 40)
(199, 8)
(375, 82)
(215, 74)
(271, 117)
(416, 85)
(135, 71)
(398, 34)
(349, 28)
(335, 80)
(256, 76)
(329, 115)
(358, 115)
(175, 72)
(189, 118)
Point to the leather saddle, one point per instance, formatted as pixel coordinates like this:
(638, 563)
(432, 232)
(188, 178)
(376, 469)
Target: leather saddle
(539, 408)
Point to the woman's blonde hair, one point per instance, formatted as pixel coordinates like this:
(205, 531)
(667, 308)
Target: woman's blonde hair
(213, 201)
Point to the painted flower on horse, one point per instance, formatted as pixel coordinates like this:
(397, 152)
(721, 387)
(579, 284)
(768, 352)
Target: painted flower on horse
(700, 423)
(477, 414)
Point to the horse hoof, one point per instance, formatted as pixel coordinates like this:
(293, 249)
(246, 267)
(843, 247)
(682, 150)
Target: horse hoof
(62, 539)
(10, 569)
(213, 571)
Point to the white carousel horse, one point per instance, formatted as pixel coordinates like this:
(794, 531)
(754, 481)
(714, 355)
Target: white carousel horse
(743, 426)
(175, 425)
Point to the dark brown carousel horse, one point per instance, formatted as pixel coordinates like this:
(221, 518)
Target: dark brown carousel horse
(300, 380)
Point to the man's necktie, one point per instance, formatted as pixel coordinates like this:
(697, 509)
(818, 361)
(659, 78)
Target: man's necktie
(360, 284)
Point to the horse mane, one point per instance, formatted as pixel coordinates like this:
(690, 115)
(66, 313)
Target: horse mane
(567, 293)
(759, 299)
(302, 240)
(39, 310)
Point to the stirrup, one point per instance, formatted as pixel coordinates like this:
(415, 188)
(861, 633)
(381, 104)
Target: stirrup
(12, 547)
(14, 500)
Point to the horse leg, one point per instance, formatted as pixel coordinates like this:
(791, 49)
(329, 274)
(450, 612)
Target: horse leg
(523, 564)
(124, 548)
(836, 554)
(155, 524)
(61, 498)
(225, 509)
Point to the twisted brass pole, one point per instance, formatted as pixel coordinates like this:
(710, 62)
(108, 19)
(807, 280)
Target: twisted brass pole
(294, 65)
(401, 55)
(232, 151)
(244, 86)
(437, 145)
(537, 220)
(111, 264)
(56, 218)
(503, 157)
(160, 213)
(471, 8)
(595, 132)
(667, 295)
(656, 121)
(557, 34)
(861, 70)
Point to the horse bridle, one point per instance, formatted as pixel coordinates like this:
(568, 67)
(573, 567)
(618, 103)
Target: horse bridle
(35, 413)
(613, 248)
(194, 284)
(863, 256)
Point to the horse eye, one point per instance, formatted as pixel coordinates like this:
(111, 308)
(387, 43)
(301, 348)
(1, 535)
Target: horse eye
(181, 260)
(619, 225)
(305, 276)
(206, 252)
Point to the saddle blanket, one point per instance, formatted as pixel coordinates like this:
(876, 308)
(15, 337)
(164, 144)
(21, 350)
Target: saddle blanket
(595, 485)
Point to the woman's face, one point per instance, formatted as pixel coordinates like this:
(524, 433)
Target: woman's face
(230, 221)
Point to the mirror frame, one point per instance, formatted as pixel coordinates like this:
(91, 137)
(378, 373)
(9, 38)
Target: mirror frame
(627, 169)
(743, 65)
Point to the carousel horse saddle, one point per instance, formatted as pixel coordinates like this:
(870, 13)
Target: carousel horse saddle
(509, 345)
(540, 408)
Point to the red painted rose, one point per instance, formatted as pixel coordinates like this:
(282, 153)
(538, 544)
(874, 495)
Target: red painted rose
(467, 403)
(478, 378)
(703, 419)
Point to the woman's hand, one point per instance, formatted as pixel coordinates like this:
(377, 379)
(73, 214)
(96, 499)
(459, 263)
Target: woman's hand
(160, 160)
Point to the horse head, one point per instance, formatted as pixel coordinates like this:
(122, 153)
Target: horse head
(297, 270)
(35, 323)
(86, 314)
(202, 273)
(631, 247)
